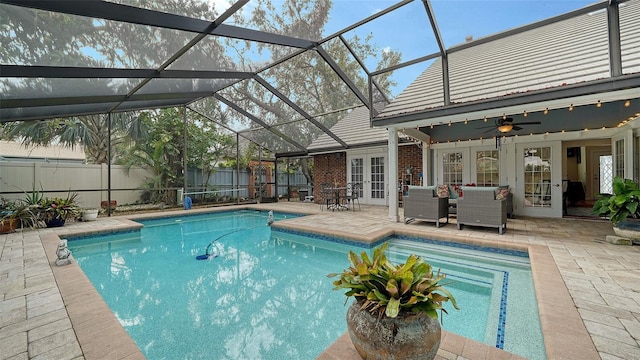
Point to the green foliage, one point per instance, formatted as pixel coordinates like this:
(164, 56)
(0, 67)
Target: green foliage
(620, 205)
(59, 208)
(385, 288)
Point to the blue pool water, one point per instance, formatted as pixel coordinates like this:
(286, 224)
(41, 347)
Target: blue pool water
(266, 295)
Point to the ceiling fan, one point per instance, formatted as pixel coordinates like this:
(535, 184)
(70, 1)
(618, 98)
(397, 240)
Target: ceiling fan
(506, 124)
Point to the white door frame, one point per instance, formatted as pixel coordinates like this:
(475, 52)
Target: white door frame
(367, 155)
(555, 210)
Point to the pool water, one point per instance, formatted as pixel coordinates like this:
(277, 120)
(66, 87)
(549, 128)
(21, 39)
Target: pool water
(265, 294)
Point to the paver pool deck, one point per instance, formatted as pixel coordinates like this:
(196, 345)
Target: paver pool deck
(588, 290)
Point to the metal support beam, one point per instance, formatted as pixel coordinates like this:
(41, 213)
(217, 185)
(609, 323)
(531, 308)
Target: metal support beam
(135, 15)
(260, 122)
(295, 107)
(613, 25)
(364, 67)
(446, 92)
(336, 68)
(109, 164)
(238, 169)
(69, 72)
(184, 147)
(434, 27)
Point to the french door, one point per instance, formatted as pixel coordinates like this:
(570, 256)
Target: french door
(539, 179)
(369, 170)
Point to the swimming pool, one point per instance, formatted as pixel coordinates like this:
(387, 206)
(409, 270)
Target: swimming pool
(266, 296)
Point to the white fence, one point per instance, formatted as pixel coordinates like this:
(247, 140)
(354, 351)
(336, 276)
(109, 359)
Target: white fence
(56, 179)
(91, 181)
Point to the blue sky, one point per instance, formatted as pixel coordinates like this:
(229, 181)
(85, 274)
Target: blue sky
(408, 29)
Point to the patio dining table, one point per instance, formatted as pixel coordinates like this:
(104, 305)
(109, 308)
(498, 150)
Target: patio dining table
(337, 195)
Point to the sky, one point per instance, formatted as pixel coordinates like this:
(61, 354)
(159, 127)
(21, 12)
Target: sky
(408, 29)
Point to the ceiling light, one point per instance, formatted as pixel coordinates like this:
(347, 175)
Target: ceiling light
(546, 111)
(505, 128)
(598, 104)
(571, 107)
(627, 103)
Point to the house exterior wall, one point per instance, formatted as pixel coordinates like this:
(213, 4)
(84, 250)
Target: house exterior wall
(410, 156)
(328, 168)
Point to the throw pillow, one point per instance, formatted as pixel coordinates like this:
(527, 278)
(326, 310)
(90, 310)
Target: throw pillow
(442, 191)
(502, 192)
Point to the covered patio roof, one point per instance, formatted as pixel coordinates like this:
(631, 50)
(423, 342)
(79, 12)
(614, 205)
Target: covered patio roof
(63, 59)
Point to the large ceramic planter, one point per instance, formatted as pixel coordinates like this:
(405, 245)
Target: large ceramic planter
(406, 337)
(8, 225)
(628, 229)
(89, 214)
(55, 222)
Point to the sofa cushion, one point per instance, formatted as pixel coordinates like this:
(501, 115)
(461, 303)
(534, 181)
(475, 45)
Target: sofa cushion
(502, 192)
(454, 191)
(442, 191)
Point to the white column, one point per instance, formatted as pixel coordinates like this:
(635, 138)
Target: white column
(393, 175)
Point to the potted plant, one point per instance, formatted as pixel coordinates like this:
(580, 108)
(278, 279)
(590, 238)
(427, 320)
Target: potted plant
(15, 214)
(622, 208)
(56, 211)
(89, 214)
(395, 312)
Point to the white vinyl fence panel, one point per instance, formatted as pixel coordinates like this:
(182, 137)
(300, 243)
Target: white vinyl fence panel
(57, 179)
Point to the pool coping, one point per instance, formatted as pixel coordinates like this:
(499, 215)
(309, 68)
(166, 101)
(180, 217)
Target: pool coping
(101, 335)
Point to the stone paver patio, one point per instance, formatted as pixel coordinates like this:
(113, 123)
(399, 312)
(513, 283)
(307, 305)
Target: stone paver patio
(588, 290)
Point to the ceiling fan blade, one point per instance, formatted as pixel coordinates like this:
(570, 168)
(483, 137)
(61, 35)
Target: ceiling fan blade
(493, 128)
(487, 127)
(516, 127)
(528, 123)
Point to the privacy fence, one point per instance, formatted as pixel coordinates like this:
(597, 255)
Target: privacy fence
(91, 183)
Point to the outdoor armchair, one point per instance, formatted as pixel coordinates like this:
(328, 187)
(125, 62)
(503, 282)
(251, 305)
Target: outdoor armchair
(479, 207)
(422, 203)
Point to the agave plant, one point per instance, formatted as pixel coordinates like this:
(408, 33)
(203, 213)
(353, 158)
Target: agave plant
(383, 288)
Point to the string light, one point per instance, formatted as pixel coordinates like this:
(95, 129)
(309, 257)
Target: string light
(571, 107)
(485, 119)
(449, 124)
(466, 121)
(627, 103)
(432, 126)
(599, 104)
(546, 111)
(525, 114)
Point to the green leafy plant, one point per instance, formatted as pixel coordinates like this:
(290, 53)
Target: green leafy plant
(622, 204)
(14, 211)
(59, 208)
(387, 289)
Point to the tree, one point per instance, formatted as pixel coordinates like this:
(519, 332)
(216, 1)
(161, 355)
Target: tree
(88, 131)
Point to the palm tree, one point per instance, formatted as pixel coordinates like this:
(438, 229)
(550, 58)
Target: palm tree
(90, 132)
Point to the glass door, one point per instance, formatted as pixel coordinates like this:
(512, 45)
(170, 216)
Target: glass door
(539, 182)
(368, 170)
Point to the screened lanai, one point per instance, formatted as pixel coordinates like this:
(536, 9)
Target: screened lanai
(278, 74)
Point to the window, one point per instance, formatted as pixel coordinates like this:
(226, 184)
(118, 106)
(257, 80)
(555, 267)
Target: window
(488, 168)
(452, 168)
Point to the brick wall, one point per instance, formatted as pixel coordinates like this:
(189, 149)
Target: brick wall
(332, 168)
(329, 168)
(410, 155)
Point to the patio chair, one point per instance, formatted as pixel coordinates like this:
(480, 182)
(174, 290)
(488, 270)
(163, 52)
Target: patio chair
(327, 196)
(353, 195)
(478, 206)
(422, 203)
